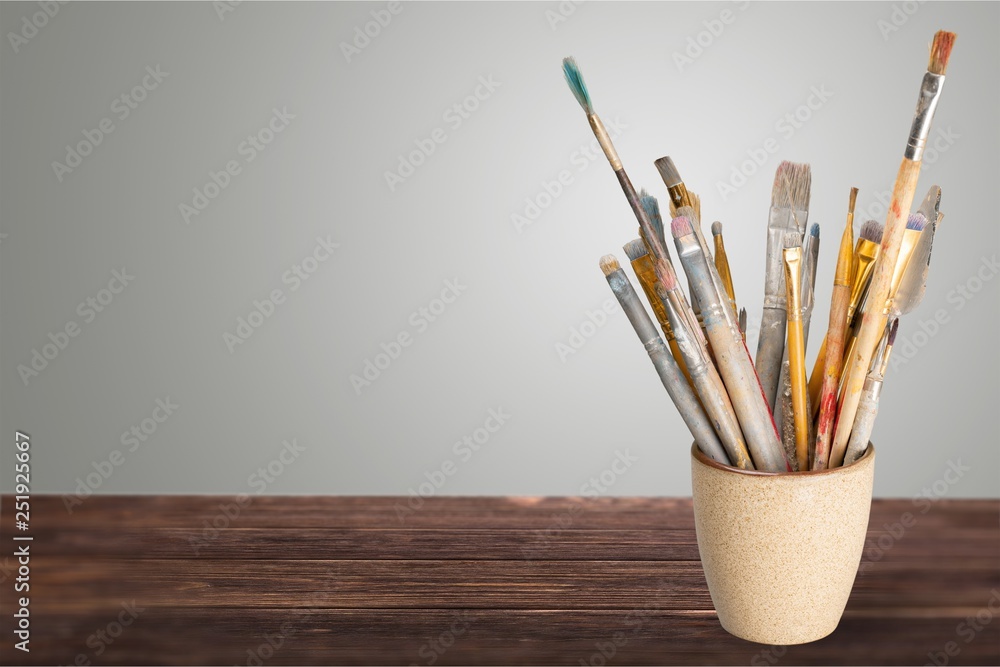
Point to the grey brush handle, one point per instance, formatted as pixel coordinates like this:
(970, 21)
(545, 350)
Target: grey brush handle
(864, 421)
(666, 367)
(733, 360)
(770, 349)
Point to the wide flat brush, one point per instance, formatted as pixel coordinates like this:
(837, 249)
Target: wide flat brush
(789, 212)
(733, 361)
(666, 367)
(874, 319)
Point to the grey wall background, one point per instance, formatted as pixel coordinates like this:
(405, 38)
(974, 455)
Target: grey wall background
(495, 346)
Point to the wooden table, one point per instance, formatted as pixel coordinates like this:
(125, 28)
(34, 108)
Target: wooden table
(320, 580)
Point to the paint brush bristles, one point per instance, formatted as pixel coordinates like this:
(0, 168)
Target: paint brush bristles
(733, 362)
(666, 368)
(652, 209)
(789, 212)
(874, 319)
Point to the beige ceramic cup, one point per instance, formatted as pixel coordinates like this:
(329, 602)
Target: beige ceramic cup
(781, 550)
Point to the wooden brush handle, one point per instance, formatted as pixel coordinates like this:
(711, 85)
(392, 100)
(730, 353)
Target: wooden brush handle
(876, 314)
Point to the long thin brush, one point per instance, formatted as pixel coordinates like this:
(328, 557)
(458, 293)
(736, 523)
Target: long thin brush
(670, 375)
(711, 390)
(810, 258)
(722, 263)
(579, 89)
(792, 256)
(731, 354)
(832, 352)
(864, 423)
(652, 209)
(874, 319)
(789, 212)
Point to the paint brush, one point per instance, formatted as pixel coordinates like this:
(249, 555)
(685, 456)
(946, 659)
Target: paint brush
(652, 209)
(683, 203)
(579, 89)
(642, 264)
(722, 263)
(792, 256)
(733, 361)
(709, 387)
(670, 375)
(789, 212)
(865, 253)
(874, 319)
(832, 356)
(810, 257)
(864, 423)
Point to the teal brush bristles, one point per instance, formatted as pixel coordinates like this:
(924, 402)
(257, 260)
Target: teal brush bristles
(576, 84)
(652, 209)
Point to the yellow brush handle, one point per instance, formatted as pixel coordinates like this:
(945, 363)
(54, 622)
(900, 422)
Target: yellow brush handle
(797, 375)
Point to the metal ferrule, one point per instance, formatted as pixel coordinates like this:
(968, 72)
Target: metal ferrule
(930, 92)
(604, 140)
(793, 270)
(774, 272)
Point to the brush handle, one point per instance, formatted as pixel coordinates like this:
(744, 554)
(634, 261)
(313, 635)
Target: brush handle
(733, 361)
(648, 281)
(712, 392)
(817, 376)
(832, 358)
(864, 423)
(666, 368)
(770, 348)
(876, 314)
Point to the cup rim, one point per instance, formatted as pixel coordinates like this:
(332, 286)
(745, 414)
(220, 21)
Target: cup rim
(700, 456)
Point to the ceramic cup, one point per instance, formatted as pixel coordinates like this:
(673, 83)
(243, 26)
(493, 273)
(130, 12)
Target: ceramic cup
(780, 550)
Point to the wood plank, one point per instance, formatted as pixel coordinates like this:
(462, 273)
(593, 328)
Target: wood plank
(480, 636)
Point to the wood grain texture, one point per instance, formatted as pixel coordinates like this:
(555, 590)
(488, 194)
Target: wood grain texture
(307, 580)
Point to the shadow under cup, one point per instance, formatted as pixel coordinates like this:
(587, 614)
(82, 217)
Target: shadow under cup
(780, 550)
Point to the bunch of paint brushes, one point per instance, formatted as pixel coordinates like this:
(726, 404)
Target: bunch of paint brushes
(764, 413)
